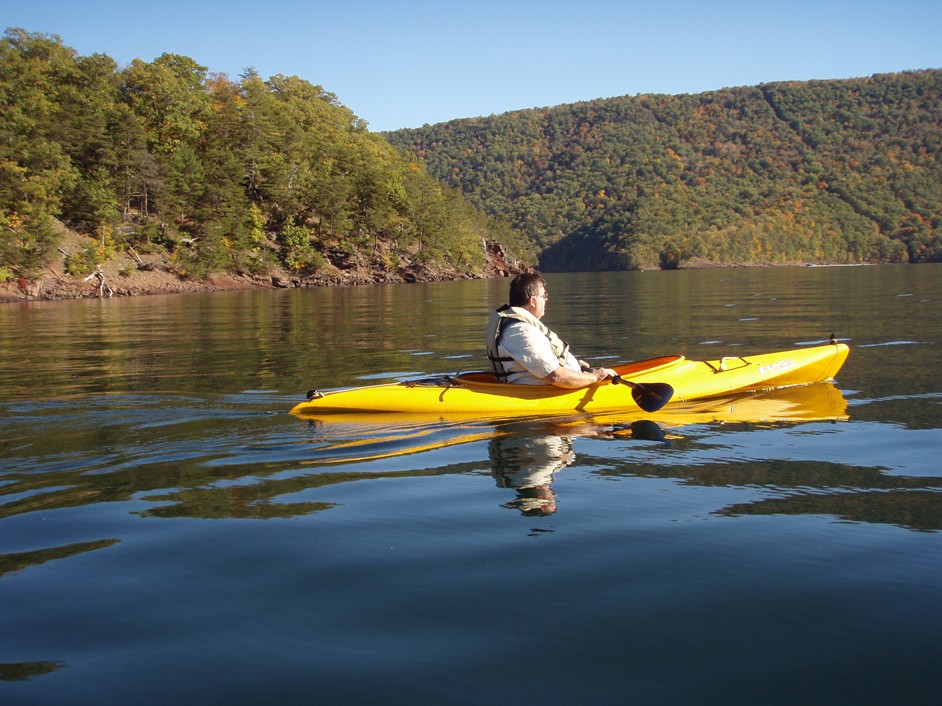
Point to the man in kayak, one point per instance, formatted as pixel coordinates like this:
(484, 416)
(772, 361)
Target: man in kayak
(523, 350)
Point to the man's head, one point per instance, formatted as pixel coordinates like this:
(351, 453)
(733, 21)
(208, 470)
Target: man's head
(528, 291)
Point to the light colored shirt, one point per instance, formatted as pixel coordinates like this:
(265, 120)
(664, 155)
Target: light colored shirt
(533, 357)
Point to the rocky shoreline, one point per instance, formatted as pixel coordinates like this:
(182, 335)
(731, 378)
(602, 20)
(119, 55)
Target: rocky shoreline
(125, 277)
(128, 276)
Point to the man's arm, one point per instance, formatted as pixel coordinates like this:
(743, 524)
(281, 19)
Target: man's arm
(531, 350)
(564, 377)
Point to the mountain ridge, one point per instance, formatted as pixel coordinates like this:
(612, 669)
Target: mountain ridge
(823, 171)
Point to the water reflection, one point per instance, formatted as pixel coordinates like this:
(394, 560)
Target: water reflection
(527, 464)
(646, 430)
(170, 459)
(917, 509)
(526, 457)
(161, 511)
(11, 563)
(795, 487)
(24, 671)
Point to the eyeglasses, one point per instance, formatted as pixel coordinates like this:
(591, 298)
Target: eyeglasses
(544, 296)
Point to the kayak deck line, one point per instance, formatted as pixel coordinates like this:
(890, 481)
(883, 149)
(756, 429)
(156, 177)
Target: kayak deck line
(480, 392)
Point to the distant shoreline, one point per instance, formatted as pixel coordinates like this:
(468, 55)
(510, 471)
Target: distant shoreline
(144, 283)
(59, 287)
(129, 274)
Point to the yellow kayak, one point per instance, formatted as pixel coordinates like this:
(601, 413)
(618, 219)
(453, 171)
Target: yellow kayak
(369, 436)
(673, 379)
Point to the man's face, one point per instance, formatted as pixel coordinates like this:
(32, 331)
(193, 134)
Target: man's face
(538, 302)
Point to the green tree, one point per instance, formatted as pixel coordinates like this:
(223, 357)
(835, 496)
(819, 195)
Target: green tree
(35, 170)
(169, 98)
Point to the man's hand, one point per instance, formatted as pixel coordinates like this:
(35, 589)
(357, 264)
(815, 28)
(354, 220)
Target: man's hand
(601, 373)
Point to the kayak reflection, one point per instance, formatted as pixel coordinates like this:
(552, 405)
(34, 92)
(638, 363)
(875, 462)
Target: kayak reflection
(820, 401)
(526, 454)
(525, 460)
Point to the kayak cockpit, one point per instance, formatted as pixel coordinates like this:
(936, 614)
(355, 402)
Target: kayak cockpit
(480, 379)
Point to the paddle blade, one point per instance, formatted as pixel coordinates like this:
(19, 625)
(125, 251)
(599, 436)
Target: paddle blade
(650, 396)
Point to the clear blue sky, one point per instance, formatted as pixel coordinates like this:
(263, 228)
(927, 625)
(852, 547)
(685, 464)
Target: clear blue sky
(403, 64)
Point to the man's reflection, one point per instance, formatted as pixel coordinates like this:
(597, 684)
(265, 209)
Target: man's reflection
(527, 464)
(528, 457)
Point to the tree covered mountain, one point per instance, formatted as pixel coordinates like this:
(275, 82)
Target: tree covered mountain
(203, 174)
(821, 171)
(196, 173)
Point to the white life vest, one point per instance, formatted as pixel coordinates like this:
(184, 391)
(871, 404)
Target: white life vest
(506, 315)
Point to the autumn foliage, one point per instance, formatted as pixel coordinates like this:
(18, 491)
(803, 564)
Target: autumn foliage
(819, 172)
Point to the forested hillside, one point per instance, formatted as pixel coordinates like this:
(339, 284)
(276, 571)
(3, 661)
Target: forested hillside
(818, 172)
(169, 166)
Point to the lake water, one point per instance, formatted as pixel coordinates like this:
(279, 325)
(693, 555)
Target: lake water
(170, 533)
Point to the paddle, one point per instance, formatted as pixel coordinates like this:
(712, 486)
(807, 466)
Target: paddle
(651, 396)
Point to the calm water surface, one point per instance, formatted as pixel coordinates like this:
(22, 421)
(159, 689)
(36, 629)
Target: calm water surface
(169, 532)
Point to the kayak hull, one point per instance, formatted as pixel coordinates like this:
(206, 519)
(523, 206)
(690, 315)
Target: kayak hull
(479, 393)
